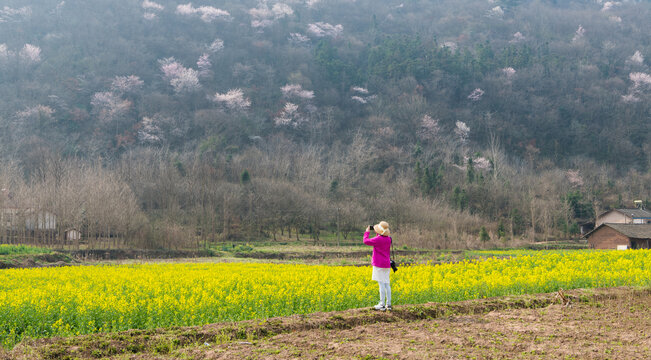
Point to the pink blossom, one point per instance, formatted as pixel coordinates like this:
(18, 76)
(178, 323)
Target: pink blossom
(476, 94)
(233, 99)
(108, 105)
(296, 90)
(429, 128)
(170, 67)
(31, 53)
(462, 130)
(150, 5)
(574, 177)
(263, 17)
(481, 163)
(126, 84)
(322, 29)
(281, 10)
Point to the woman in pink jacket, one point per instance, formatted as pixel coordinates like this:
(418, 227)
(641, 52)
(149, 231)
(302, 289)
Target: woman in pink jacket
(381, 262)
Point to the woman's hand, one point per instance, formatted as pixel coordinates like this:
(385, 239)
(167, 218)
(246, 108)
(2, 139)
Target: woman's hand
(369, 228)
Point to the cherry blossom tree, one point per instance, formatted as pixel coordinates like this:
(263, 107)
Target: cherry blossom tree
(206, 13)
(234, 99)
(150, 5)
(323, 29)
(289, 116)
(463, 131)
(637, 58)
(517, 37)
(182, 79)
(508, 72)
(216, 46)
(149, 132)
(296, 91)
(574, 177)
(126, 84)
(204, 65)
(8, 14)
(578, 34)
(476, 94)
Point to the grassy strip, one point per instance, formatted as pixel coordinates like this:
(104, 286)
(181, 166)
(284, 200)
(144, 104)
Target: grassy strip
(22, 249)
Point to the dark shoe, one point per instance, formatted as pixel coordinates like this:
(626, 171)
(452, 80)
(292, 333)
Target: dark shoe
(388, 308)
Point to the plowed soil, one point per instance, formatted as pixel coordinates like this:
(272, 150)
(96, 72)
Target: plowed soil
(578, 324)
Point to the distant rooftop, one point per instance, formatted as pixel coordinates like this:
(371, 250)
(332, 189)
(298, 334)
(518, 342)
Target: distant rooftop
(636, 213)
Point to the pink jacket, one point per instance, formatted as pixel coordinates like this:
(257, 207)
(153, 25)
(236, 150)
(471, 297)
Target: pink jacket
(381, 250)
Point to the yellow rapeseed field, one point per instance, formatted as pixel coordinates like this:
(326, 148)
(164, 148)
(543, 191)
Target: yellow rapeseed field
(85, 299)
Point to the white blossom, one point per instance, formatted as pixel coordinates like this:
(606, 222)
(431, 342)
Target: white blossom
(296, 90)
(31, 53)
(639, 79)
(359, 89)
(322, 29)
(578, 34)
(281, 10)
(481, 163)
(630, 98)
(126, 84)
(508, 72)
(204, 65)
(38, 111)
(359, 99)
(637, 58)
(298, 38)
(462, 130)
(496, 12)
(150, 5)
(187, 80)
(289, 116)
(5, 54)
(615, 18)
(206, 13)
(233, 99)
(216, 45)
(108, 105)
(450, 45)
(149, 132)
(476, 94)
(149, 16)
(517, 37)
(262, 16)
(8, 14)
(609, 5)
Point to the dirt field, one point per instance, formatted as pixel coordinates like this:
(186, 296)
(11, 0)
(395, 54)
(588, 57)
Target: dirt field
(581, 324)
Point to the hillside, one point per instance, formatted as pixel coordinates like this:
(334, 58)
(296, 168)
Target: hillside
(264, 119)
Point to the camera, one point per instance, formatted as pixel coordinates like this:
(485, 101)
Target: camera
(394, 266)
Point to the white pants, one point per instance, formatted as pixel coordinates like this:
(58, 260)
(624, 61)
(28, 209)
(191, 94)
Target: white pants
(385, 293)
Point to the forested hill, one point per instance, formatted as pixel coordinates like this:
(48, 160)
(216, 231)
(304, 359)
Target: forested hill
(555, 78)
(540, 85)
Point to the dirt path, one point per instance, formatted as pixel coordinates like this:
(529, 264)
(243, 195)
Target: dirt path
(591, 324)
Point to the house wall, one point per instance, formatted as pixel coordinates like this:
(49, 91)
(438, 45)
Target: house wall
(613, 217)
(607, 238)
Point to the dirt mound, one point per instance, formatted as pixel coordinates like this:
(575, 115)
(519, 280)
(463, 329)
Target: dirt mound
(613, 323)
